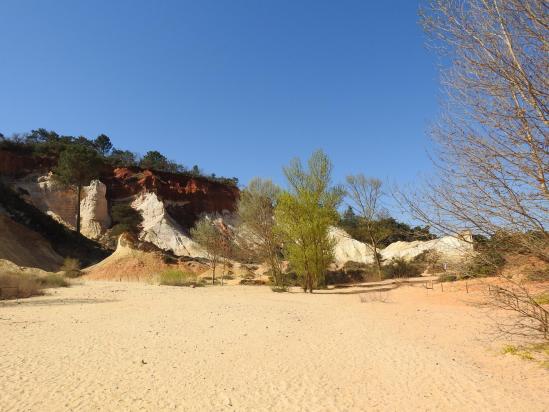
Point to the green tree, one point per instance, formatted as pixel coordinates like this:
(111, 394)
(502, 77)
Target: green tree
(77, 166)
(304, 215)
(154, 160)
(122, 158)
(103, 144)
(256, 219)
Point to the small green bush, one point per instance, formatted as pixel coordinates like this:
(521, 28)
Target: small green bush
(175, 277)
(71, 267)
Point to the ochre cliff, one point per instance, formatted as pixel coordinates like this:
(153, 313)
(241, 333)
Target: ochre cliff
(185, 196)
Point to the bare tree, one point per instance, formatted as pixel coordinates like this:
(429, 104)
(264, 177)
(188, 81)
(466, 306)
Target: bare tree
(256, 220)
(206, 234)
(492, 139)
(364, 196)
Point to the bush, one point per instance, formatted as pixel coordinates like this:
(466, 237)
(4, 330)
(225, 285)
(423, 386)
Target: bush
(125, 219)
(399, 268)
(52, 281)
(14, 286)
(71, 267)
(175, 277)
(17, 285)
(447, 277)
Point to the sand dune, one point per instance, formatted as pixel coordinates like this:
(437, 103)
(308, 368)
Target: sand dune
(128, 346)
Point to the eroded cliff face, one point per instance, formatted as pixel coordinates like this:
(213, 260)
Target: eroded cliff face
(170, 203)
(60, 202)
(185, 197)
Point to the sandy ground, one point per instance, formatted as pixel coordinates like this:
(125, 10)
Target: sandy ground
(129, 346)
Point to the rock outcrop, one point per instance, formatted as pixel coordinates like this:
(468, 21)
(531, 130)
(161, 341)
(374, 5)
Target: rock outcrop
(94, 210)
(161, 229)
(451, 249)
(130, 263)
(60, 203)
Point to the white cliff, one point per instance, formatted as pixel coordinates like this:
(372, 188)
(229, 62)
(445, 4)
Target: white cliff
(60, 203)
(160, 229)
(348, 249)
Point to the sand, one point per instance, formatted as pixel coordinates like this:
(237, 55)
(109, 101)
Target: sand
(129, 346)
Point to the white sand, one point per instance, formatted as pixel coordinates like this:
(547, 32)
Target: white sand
(122, 346)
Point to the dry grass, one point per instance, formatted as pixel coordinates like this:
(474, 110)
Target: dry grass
(16, 286)
(174, 277)
(71, 267)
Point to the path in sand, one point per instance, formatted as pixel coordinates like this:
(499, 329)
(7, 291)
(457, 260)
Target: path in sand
(121, 346)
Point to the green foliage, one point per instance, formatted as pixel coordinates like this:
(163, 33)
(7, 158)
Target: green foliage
(175, 277)
(157, 161)
(214, 242)
(77, 165)
(122, 158)
(103, 144)
(303, 216)
(399, 268)
(125, 219)
(49, 145)
(489, 258)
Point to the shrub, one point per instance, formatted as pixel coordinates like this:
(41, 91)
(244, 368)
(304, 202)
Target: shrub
(175, 277)
(428, 260)
(71, 267)
(17, 285)
(14, 286)
(447, 277)
(52, 281)
(399, 268)
(125, 219)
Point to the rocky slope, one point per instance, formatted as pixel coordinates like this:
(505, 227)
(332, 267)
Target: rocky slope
(25, 247)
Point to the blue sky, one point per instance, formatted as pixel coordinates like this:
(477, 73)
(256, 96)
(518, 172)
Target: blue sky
(237, 87)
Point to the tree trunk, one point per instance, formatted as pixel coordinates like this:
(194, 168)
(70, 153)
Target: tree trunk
(78, 191)
(376, 257)
(213, 274)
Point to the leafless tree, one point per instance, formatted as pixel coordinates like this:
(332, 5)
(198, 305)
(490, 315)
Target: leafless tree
(256, 221)
(364, 196)
(492, 140)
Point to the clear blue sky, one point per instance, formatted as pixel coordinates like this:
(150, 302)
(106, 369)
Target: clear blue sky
(237, 87)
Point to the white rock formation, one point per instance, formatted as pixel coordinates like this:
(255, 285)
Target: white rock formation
(160, 229)
(450, 248)
(59, 202)
(348, 249)
(94, 210)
